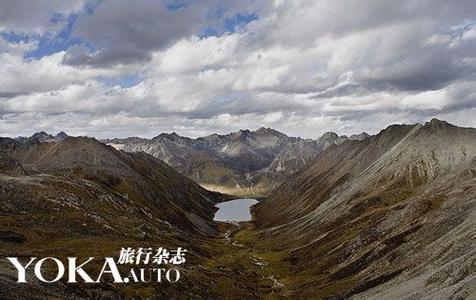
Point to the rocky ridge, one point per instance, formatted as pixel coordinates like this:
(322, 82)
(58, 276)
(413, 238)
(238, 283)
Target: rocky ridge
(242, 162)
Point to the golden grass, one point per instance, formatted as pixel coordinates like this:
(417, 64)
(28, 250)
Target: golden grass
(236, 191)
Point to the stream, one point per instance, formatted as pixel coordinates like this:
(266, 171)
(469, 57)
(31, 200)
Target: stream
(233, 212)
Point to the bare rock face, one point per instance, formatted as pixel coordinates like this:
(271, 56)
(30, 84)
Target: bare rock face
(254, 162)
(391, 216)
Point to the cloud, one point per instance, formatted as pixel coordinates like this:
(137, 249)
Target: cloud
(127, 33)
(48, 74)
(304, 67)
(122, 33)
(33, 16)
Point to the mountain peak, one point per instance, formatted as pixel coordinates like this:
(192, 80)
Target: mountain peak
(170, 136)
(436, 122)
(37, 137)
(265, 129)
(269, 131)
(241, 133)
(61, 135)
(42, 137)
(329, 135)
(41, 134)
(360, 136)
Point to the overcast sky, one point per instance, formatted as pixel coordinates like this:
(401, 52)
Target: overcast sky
(117, 68)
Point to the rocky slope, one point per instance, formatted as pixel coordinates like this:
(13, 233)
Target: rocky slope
(391, 216)
(243, 162)
(78, 197)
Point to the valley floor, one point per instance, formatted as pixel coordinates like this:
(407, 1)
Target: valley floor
(238, 192)
(242, 269)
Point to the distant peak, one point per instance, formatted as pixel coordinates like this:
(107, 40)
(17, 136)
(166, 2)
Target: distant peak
(40, 133)
(435, 121)
(210, 136)
(264, 129)
(267, 130)
(329, 135)
(167, 135)
(243, 132)
(436, 125)
(41, 136)
(360, 136)
(61, 135)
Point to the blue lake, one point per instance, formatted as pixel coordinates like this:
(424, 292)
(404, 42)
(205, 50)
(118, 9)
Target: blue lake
(235, 210)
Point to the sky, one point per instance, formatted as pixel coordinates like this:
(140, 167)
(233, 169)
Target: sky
(117, 68)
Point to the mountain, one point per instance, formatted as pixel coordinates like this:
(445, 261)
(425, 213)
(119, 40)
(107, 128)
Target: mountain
(388, 217)
(42, 137)
(81, 198)
(136, 176)
(61, 136)
(242, 162)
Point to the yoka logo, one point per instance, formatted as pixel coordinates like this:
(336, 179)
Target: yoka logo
(128, 256)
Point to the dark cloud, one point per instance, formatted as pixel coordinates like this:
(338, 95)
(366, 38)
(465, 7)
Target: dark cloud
(423, 68)
(33, 15)
(10, 94)
(125, 32)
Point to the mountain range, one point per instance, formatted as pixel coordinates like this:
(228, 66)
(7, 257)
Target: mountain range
(388, 216)
(42, 137)
(240, 163)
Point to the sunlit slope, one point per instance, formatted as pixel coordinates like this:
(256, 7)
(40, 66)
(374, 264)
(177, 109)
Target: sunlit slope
(391, 215)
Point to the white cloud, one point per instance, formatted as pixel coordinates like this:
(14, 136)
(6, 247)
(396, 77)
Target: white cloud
(304, 67)
(25, 76)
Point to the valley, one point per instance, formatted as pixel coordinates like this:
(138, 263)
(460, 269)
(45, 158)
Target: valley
(284, 149)
(388, 216)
